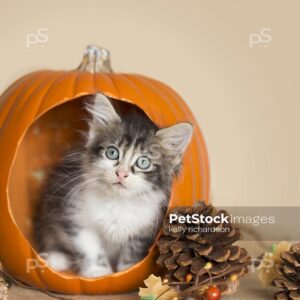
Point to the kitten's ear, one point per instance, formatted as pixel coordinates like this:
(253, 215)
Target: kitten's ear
(102, 111)
(103, 114)
(175, 138)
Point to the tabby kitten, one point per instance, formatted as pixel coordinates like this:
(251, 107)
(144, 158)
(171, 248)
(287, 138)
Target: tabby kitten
(105, 202)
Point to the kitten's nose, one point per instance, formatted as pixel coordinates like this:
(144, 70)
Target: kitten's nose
(122, 175)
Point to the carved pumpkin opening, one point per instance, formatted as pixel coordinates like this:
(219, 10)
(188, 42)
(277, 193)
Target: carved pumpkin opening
(38, 123)
(45, 142)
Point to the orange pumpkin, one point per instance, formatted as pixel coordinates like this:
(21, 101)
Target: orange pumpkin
(38, 117)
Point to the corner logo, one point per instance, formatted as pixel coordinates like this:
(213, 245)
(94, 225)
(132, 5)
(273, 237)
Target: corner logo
(262, 37)
(40, 37)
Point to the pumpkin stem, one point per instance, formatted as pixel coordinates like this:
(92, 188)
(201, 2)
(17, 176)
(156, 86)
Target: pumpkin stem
(95, 60)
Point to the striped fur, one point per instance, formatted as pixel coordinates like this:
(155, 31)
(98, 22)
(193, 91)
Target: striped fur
(91, 220)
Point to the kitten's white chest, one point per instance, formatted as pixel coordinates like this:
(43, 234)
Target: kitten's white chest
(120, 218)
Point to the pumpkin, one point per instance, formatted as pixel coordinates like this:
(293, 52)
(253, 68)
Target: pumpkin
(39, 116)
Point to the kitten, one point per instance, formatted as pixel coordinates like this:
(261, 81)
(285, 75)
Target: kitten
(105, 202)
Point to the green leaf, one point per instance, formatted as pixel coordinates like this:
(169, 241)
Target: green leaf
(148, 297)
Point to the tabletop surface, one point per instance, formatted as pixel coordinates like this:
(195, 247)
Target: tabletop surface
(249, 289)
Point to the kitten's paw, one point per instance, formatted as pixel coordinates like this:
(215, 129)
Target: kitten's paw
(122, 266)
(95, 271)
(58, 261)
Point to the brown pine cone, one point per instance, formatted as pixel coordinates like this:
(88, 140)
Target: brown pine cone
(196, 254)
(289, 271)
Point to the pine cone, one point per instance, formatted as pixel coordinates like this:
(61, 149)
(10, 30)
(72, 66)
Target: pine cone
(289, 271)
(196, 254)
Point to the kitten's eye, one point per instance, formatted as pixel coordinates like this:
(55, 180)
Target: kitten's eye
(143, 162)
(112, 153)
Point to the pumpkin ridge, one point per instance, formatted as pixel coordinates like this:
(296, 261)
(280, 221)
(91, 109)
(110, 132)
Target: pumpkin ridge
(111, 77)
(75, 84)
(131, 79)
(31, 97)
(16, 84)
(135, 87)
(61, 76)
(18, 97)
(104, 85)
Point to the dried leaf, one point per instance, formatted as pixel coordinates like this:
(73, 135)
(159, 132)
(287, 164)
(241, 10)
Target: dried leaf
(267, 268)
(156, 289)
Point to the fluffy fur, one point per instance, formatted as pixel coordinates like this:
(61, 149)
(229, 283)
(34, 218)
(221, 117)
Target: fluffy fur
(104, 203)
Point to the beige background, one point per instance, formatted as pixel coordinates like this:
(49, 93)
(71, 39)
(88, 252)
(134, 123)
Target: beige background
(246, 99)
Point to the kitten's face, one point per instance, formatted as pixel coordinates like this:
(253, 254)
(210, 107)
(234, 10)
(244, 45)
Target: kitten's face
(130, 155)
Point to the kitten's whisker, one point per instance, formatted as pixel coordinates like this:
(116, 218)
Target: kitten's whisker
(74, 192)
(66, 183)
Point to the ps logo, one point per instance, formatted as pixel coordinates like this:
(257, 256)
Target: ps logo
(263, 37)
(41, 37)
